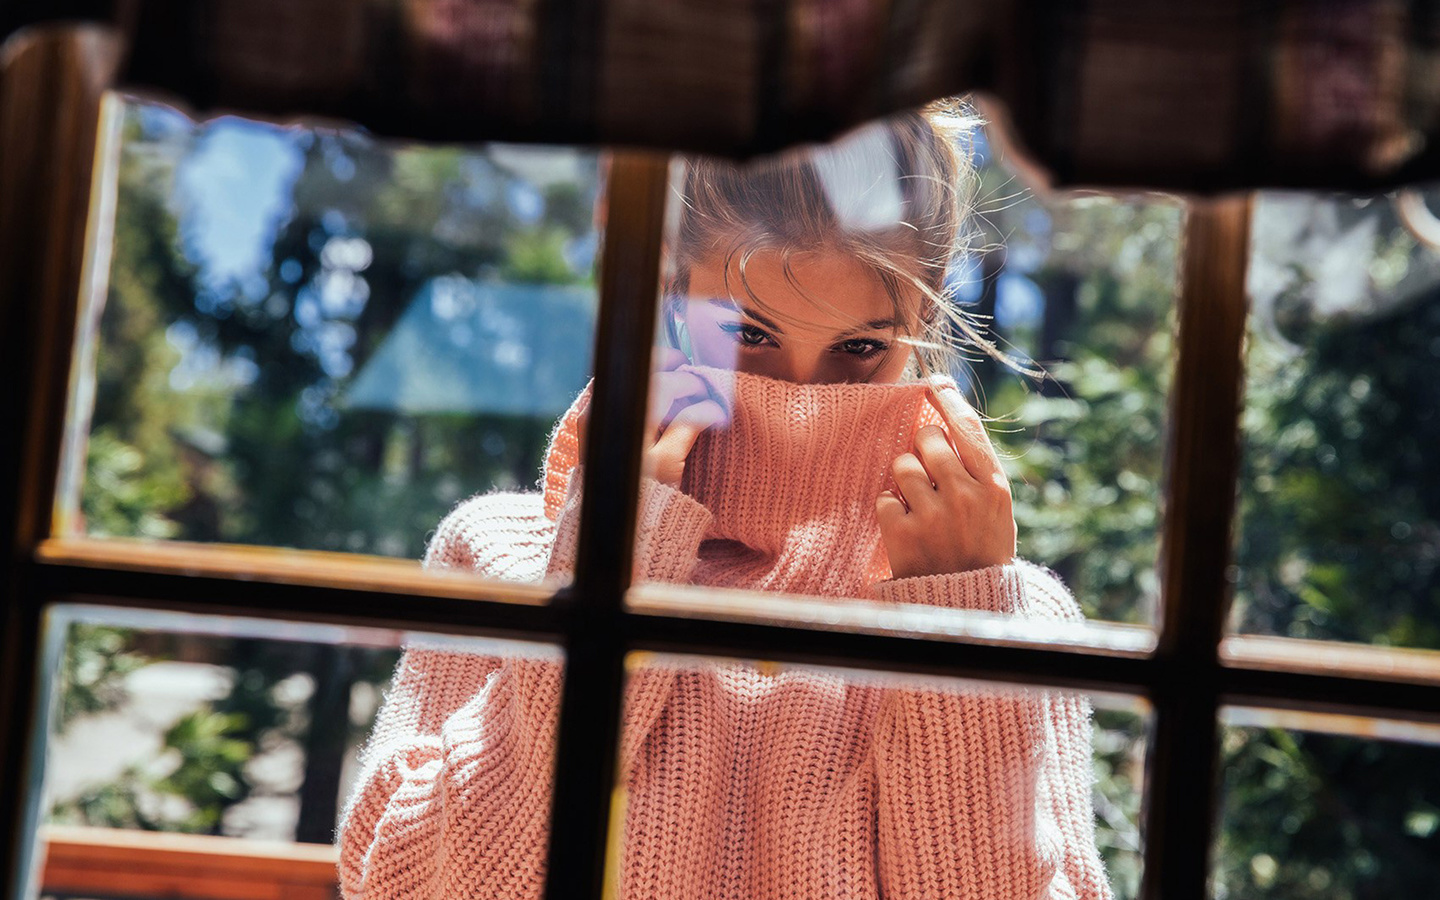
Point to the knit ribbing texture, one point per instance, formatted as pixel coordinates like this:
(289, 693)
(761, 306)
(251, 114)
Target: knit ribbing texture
(742, 782)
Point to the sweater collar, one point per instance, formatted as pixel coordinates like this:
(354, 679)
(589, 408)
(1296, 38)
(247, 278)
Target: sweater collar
(793, 475)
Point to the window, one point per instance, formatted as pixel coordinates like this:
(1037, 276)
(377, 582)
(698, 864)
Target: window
(247, 375)
(1316, 806)
(1187, 676)
(1339, 517)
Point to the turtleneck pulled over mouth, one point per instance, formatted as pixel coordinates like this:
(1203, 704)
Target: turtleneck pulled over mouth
(790, 480)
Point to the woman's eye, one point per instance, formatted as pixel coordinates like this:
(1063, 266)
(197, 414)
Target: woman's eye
(746, 334)
(862, 347)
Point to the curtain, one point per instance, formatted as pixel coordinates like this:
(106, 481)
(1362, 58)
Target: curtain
(1199, 96)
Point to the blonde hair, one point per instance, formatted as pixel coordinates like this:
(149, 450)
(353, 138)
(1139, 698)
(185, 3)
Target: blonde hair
(896, 195)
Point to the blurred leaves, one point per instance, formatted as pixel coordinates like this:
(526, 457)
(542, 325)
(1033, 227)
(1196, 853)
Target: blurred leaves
(217, 412)
(203, 760)
(1340, 506)
(204, 763)
(1339, 539)
(92, 671)
(1084, 446)
(199, 770)
(1320, 817)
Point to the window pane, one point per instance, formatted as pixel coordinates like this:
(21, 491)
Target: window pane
(735, 776)
(310, 338)
(808, 299)
(1085, 285)
(261, 736)
(1339, 521)
(1340, 817)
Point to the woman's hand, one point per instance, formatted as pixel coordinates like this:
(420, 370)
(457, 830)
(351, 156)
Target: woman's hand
(952, 512)
(681, 409)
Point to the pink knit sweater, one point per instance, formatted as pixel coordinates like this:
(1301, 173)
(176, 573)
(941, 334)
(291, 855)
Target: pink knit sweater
(740, 782)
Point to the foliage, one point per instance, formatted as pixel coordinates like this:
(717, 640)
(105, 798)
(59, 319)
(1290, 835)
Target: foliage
(1340, 512)
(1119, 751)
(1085, 443)
(206, 752)
(1318, 817)
(204, 763)
(1339, 540)
(140, 485)
(219, 410)
(93, 667)
(200, 768)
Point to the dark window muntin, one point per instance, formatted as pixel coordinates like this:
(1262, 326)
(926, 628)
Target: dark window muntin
(49, 99)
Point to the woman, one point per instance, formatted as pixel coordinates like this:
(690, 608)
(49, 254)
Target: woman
(794, 449)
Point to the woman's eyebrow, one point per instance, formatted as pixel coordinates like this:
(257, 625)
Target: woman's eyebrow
(872, 325)
(735, 307)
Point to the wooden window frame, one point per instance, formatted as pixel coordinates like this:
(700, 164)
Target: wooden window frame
(51, 83)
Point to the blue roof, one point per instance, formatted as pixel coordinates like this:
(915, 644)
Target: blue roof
(497, 349)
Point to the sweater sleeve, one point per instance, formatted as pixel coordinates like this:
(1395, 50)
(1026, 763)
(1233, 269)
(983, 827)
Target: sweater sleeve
(984, 792)
(453, 795)
(998, 589)
(668, 530)
(455, 780)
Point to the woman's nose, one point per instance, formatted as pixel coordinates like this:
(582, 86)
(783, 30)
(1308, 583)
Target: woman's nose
(803, 366)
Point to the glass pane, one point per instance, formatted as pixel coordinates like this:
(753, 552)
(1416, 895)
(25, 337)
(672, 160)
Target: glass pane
(309, 338)
(255, 738)
(810, 298)
(1339, 516)
(1314, 816)
(739, 776)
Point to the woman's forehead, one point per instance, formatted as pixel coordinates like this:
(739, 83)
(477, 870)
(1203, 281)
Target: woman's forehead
(824, 288)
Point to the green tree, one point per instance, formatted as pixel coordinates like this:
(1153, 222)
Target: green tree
(1084, 444)
(1339, 527)
(271, 458)
(1340, 509)
(137, 482)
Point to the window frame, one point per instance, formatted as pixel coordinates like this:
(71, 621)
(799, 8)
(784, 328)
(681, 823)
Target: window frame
(51, 83)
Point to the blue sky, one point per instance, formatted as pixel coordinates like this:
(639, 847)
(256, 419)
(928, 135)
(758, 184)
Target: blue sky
(232, 190)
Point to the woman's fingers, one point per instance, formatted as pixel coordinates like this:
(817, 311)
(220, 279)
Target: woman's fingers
(668, 387)
(688, 424)
(937, 455)
(889, 509)
(668, 359)
(671, 392)
(914, 482)
(678, 439)
(967, 432)
(951, 509)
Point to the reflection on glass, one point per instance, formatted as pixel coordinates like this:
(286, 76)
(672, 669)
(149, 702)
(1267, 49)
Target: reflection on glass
(1313, 816)
(1339, 521)
(826, 314)
(311, 339)
(738, 776)
(250, 730)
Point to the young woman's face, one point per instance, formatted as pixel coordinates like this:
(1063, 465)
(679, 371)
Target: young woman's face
(829, 320)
